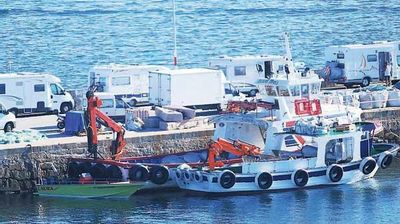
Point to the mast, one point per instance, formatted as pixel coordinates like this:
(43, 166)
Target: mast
(174, 22)
(288, 53)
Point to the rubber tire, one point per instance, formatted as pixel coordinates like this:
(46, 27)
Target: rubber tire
(113, 172)
(61, 125)
(73, 170)
(198, 177)
(365, 82)
(8, 127)
(368, 165)
(335, 173)
(253, 93)
(65, 107)
(139, 173)
(227, 179)
(264, 180)
(385, 160)
(159, 175)
(84, 167)
(98, 171)
(300, 174)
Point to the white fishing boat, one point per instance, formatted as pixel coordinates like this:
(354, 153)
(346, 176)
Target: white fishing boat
(329, 156)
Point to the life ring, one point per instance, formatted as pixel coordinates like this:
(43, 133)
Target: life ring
(178, 174)
(159, 174)
(385, 160)
(98, 171)
(198, 177)
(264, 180)
(73, 170)
(335, 173)
(113, 172)
(187, 175)
(367, 165)
(227, 179)
(138, 173)
(300, 178)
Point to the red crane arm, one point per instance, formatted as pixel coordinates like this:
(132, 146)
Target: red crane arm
(237, 147)
(93, 112)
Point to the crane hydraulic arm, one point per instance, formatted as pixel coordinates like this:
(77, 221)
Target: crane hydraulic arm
(94, 114)
(236, 147)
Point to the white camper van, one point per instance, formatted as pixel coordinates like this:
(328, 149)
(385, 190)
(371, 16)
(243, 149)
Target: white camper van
(242, 70)
(197, 88)
(361, 63)
(128, 82)
(25, 93)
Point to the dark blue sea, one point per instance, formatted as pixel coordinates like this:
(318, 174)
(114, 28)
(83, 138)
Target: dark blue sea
(68, 37)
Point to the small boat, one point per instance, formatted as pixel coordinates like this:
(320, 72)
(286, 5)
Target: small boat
(328, 156)
(89, 188)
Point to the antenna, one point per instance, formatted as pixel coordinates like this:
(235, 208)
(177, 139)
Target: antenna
(175, 51)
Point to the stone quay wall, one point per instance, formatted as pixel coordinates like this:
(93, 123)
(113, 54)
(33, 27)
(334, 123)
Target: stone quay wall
(19, 168)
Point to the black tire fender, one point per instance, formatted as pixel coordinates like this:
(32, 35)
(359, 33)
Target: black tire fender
(139, 173)
(300, 178)
(227, 179)
(113, 172)
(367, 165)
(264, 180)
(159, 174)
(385, 160)
(334, 173)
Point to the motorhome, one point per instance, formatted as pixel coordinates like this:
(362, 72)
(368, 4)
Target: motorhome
(248, 69)
(128, 82)
(197, 88)
(26, 93)
(361, 63)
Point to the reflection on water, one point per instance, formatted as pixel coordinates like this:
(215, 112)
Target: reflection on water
(371, 201)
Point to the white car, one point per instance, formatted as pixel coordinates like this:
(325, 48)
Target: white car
(246, 88)
(7, 119)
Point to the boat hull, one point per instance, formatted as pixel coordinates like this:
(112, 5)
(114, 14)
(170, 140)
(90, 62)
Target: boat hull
(210, 182)
(113, 190)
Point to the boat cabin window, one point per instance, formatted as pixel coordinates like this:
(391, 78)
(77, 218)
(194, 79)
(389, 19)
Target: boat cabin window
(398, 60)
(340, 56)
(339, 151)
(38, 88)
(101, 84)
(270, 90)
(107, 103)
(304, 90)
(283, 91)
(315, 88)
(2, 88)
(295, 90)
(121, 81)
(372, 58)
(240, 70)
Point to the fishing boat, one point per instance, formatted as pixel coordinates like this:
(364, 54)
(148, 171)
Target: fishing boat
(328, 156)
(88, 188)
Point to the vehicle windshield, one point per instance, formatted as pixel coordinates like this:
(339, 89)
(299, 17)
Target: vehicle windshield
(3, 109)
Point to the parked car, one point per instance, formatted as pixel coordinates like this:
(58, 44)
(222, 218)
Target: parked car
(246, 88)
(7, 119)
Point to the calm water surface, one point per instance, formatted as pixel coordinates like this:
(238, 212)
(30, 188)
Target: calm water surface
(67, 37)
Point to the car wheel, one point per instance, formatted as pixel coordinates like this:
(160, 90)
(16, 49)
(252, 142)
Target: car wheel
(61, 124)
(8, 127)
(65, 107)
(365, 82)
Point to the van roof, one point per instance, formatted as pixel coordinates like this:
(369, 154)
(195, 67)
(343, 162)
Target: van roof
(117, 67)
(247, 58)
(186, 71)
(30, 75)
